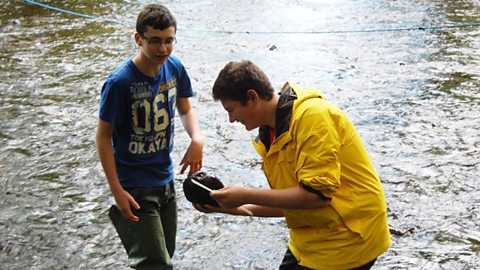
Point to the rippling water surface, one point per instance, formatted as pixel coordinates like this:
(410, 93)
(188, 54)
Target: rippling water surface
(413, 95)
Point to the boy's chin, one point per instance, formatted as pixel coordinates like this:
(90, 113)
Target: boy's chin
(250, 128)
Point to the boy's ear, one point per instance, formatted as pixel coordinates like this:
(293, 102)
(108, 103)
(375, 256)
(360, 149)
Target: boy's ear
(138, 39)
(252, 95)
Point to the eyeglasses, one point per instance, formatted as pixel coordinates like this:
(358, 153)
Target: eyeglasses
(158, 41)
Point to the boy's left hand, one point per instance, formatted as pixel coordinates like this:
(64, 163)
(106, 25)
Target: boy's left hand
(192, 158)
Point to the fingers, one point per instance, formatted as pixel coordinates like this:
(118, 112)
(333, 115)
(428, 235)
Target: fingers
(200, 207)
(199, 166)
(194, 167)
(184, 167)
(205, 208)
(128, 214)
(219, 194)
(127, 211)
(246, 211)
(134, 204)
(193, 159)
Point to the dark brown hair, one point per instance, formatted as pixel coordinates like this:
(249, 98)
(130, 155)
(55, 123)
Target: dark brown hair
(236, 78)
(155, 16)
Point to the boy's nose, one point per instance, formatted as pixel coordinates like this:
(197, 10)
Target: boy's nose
(162, 47)
(231, 118)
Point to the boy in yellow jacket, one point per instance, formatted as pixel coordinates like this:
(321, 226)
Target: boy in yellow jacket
(321, 177)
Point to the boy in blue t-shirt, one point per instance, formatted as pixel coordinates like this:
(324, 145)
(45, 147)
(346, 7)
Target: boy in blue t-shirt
(135, 138)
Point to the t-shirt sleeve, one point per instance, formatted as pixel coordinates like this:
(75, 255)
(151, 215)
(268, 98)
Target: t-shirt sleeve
(112, 103)
(184, 85)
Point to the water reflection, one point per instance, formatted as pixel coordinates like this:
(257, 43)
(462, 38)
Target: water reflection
(412, 94)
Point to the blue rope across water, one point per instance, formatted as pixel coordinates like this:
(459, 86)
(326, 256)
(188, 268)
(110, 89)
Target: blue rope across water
(412, 28)
(76, 13)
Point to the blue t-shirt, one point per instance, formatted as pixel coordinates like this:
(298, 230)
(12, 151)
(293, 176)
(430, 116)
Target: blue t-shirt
(142, 110)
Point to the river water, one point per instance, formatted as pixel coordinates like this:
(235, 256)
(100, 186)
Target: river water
(413, 95)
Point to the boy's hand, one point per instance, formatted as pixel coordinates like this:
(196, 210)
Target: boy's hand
(229, 197)
(193, 158)
(207, 208)
(124, 202)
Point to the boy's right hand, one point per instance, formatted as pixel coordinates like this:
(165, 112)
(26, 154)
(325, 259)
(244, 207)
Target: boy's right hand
(207, 208)
(124, 202)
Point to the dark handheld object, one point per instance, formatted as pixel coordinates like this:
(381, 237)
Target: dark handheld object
(195, 193)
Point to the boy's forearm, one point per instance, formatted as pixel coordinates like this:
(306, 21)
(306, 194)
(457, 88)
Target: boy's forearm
(189, 119)
(105, 154)
(290, 198)
(191, 125)
(263, 211)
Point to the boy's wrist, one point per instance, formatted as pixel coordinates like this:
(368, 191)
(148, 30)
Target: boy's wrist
(197, 140)
(116, 188)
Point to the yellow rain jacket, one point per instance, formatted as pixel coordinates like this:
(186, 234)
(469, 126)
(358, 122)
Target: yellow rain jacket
(317, 145)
